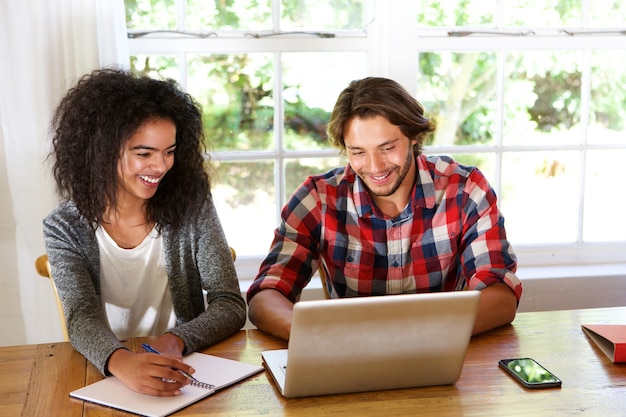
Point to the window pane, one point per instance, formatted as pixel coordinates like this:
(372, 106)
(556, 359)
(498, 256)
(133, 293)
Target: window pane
(322, 15)
(245, 198)
(234, 14)
(539, 197)
(236, 93)
(543, 14)
(608, 98)
(604, 213)
(542, 98)
(607, 13)
(156, 66)
(312, 83)
(459, 91)
(150, 14)
(297, 170)
(454, 13)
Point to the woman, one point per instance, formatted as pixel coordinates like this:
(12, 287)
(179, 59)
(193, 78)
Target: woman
(137, 238)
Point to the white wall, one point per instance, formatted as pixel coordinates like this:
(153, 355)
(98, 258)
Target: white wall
(570, 287)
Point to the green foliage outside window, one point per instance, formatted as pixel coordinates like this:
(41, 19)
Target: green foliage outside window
(485, 97)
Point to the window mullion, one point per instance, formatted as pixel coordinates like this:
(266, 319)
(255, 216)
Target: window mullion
(181, 18)
(501, 82)
(393, 34)
(182, 68)
(585, 91)
(276, 13)
(501, 74)
(279, 129)
(181, 14)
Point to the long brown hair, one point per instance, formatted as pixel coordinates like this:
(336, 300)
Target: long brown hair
(374, 96)
(98, 116)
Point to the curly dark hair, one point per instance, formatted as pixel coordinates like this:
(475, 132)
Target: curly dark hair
(376, 96)
(98, 116)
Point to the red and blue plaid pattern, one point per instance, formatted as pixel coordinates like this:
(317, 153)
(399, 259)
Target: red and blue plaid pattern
(450, 237)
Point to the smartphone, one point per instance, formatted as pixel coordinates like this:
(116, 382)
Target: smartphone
(529, 373)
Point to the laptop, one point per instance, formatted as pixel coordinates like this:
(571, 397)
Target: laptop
(374, 343)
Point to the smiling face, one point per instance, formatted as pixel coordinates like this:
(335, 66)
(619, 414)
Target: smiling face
(382, 156)
(146, 158)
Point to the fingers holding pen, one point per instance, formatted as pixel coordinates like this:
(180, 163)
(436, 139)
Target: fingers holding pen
(148, 373)
(167, 368)
(179, 366)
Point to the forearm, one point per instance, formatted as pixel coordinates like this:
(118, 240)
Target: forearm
(225, 315)
(170, 344)
(497, 307)
(271, 312)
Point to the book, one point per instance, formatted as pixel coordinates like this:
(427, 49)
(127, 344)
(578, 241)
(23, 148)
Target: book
(610, 338)
(216, 372)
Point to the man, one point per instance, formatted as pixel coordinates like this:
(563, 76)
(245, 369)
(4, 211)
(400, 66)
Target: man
(392, 221)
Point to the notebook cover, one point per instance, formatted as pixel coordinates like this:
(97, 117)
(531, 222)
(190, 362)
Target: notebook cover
(210, 369)
(610, 338)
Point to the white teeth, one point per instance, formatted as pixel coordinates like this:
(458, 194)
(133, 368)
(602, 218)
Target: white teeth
(149, 179)
(381, 177)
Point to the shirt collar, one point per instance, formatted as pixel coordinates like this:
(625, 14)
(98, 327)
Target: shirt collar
(424, 194)
(362, 200)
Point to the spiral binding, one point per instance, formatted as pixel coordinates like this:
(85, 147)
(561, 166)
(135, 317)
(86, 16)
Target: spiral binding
(194, 382)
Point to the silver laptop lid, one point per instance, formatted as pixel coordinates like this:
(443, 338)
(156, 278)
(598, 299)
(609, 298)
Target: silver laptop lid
(375, 343)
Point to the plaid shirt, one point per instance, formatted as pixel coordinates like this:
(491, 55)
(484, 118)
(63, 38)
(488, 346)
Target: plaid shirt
(449, 237)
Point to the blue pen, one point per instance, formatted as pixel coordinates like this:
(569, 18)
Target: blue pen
(150, 349)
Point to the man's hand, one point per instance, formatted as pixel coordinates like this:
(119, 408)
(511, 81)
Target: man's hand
(170, 344)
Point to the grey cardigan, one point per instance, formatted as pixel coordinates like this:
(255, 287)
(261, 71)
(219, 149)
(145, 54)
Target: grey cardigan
(197, 257)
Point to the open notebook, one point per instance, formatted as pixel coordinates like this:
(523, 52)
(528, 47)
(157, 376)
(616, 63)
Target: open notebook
(218, 372)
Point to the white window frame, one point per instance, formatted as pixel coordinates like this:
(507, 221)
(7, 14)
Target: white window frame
(392, 41)
(546, 260)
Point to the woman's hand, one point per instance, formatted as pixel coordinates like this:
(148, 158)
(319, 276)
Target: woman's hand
(150, 373)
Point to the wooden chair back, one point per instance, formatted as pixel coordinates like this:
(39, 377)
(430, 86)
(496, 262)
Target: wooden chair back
(43, 268)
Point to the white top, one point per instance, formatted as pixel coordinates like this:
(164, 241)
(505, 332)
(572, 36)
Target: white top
(135, 293)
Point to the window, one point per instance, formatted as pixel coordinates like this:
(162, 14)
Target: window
(531, 92)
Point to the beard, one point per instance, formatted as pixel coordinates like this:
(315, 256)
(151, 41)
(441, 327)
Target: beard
(402, 173)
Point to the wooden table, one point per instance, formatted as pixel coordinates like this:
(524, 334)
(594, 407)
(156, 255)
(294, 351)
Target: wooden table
(36, 379)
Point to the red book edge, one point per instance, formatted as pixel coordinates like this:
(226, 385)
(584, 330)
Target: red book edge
(610, 338)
